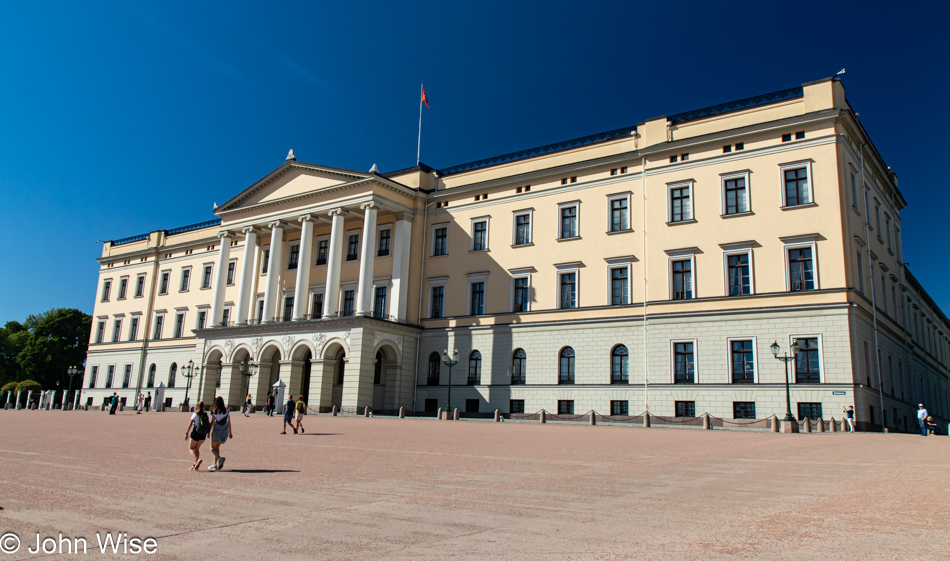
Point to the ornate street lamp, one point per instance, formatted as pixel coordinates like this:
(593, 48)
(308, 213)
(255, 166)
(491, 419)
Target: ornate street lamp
(776, 349)
(72, 371)
(189, 371)
(248, 369)
(450, 361)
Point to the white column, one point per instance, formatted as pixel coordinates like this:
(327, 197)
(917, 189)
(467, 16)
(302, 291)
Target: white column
(331, 300)
(246, 280)
(402, 232)
(364, 304)
(272, 288)
(220, 279)
(303, 268)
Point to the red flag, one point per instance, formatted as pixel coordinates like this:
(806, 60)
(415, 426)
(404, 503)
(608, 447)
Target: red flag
(424, 98)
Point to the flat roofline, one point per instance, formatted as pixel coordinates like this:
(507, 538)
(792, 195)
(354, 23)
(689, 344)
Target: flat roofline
(178, 230)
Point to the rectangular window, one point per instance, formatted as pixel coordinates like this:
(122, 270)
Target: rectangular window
(179, 325)
(521, 294)
(796, 187)
(801, 269)
(619, 286)
(385, 240)
(379, 302)
(516, 406)
(854, 192)
(727, 148)
(260, 311)
(810, 410)
(133, 329)
(799, 135)
(440, 242)
(877, 219)
(684, 365)
(438, 294)
(353, 247)
(100, 331)
(225, 319)
(127, 378)
(743, 363)
(619, 408)
(738, 271)
(206, 277)
(685, 408)
(860, 264)
(569, 222)
(349, 297)
(139, 286)
(682, 279)
(92, 378)
(737, 200)
(116, 330)
(743, 410)
(110, 373)
(807, 365)
(265, 261)
(288, 308)
(323, 249)
(681, 208)
(619, 214)
(522, 229)
(478, 299)
(480, 235)
(106, 288)
(202, 319)
(231, 266)
(471, 405)
(123, 287)
(568, 290)
(185, 280)
(317, 311)
(163, 285)
(565, 407)
(884, 291)
(787, 137)
(293, 257)
(157, 332)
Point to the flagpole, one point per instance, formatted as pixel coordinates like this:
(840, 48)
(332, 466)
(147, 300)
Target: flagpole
(419, 144)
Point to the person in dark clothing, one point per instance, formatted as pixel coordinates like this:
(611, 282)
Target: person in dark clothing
(271, 404)
(289, 415)
(148, 401)
(114, 404)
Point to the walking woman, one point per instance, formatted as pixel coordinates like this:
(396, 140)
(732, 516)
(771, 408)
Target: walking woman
(247, 406)
(197, 431)
(301, 411)
(220, 431)
(289, 415)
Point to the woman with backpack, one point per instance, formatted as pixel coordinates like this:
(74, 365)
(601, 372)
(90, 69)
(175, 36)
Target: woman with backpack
(220, 431)
(301, 411)
(197, 431)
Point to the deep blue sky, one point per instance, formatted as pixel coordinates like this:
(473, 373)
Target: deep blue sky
(117, 118)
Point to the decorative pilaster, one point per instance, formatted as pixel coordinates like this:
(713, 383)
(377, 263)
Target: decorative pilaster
(331, 300)
(304, 263)
(364, 304)
(246, 280)
(220, 279)
(271, 290)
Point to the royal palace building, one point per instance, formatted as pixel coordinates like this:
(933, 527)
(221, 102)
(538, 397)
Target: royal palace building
(645, 268)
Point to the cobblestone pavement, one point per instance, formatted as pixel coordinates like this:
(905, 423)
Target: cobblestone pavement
(359, 488)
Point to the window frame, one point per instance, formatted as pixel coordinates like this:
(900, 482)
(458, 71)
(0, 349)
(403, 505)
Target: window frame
(293, 257)
(379, 238)
(613, 353)
(745, 175)
(375, 312)
(523, 378)
(117, 328)
(571, 377)
(471, 242)
(529, 212)
(184, 279)
(793, 245)
(179, 330)
(695, 343)
(472, 281)
(438, 369)
(140, 283)
(436, 283)
(158, 327)
(475, 361)
(316, 251)
(164, 280)
(755, 359)
(677, 185)
(732, 250)
(106, 290)
(561, 207)
(123, 287)
(134, 325)
(569, 270)
(314, 292)
(676, 256)
(231, 272)
(435, 228)
(809, 178)
(734, 410)
(628, 296)
(347, 256)
(793, 374)
(207, 273)
(515, 274)
(624, 196)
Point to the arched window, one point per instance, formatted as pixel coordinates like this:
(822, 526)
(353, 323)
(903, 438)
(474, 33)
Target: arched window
(340, 366)
(518, 370)
(475, 368)
(432, 379)
(618, 365)
(151, 376)
(566, 367)
(378, 368)
(171, 375)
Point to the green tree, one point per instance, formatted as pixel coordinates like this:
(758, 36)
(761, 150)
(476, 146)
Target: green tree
(57, 340)
(13, 338)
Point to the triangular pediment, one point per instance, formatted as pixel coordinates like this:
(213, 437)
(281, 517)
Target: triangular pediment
(292, 180)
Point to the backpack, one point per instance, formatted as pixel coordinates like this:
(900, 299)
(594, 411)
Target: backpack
(203, 426)
(224, 421)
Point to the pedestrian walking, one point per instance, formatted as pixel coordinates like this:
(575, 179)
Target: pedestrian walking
(921, 418)
(289, 415)
(220, 431)
(247, 406)
(849, 414)
(301, 411)
(271, 404)
(148, 401)
(138, 404)
(198, 427)
(114, 404)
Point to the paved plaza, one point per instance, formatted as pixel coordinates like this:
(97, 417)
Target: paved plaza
(385, 488)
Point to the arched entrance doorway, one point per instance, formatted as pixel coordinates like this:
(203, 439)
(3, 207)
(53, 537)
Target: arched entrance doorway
(305, 378)
(385, 365)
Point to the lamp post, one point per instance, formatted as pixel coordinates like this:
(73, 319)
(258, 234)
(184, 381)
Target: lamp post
(72, 371)
(450, 361)
(248, 369)
(776, 349)
(189, 371)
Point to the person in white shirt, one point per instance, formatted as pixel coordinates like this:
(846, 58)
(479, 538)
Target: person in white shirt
(921, 418)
